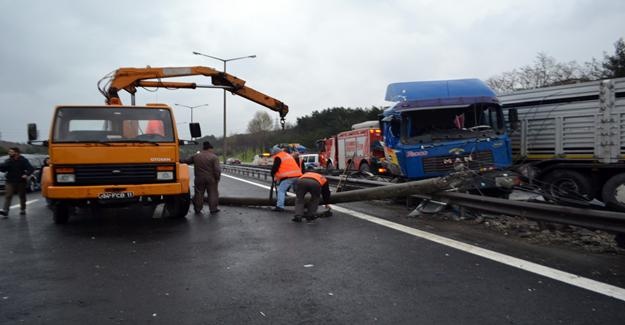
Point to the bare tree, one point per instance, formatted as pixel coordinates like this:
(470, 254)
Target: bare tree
(545, 71)
(260, 122)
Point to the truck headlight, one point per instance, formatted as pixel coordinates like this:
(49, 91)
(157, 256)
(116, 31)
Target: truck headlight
(164, 176)
(65, 178)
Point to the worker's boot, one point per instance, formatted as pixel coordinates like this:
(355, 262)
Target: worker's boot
(325, 214)
(297, 218)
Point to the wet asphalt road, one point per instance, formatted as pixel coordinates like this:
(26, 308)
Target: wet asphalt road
(251, 265)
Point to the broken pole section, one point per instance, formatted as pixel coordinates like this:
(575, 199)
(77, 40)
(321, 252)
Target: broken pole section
(425, 186)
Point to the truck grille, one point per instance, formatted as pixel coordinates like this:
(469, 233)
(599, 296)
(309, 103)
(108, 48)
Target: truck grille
(445, 164)
(115, 174)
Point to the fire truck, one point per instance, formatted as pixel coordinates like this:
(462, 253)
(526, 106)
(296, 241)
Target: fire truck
(357, 149)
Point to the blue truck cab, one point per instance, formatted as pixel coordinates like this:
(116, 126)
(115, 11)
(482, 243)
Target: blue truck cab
(438, 127)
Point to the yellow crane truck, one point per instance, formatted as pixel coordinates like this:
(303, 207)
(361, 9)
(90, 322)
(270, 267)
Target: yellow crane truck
(118, 155)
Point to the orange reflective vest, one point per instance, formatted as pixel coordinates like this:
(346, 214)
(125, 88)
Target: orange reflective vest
(318, 177)
(288, 167)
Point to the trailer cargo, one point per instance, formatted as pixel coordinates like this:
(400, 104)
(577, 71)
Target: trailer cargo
(570, 139)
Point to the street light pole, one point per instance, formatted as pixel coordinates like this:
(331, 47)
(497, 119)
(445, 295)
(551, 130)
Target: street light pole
(191, 108)
(225, 61)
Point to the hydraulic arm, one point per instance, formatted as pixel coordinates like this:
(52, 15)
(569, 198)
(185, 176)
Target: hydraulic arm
(129, 79)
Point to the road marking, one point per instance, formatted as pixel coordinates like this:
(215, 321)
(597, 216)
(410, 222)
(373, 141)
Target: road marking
(249, 182)
(569, 278)
(27, 203)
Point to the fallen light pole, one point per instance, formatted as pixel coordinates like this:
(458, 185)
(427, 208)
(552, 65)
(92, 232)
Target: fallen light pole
(376, 193)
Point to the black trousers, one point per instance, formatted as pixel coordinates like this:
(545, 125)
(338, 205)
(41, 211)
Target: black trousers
(304, 186)
(12, 189)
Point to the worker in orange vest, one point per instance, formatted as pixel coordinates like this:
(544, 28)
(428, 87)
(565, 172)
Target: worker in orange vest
(284, 171)
(317, 186)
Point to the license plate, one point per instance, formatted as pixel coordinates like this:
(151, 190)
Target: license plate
(115, 195)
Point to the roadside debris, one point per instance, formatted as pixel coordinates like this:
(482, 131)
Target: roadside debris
(542, 233)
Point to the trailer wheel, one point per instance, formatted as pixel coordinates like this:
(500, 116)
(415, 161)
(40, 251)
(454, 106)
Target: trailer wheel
(613, 192)
(178, 206)
(566, 185)
(364, 168)
(60, 213)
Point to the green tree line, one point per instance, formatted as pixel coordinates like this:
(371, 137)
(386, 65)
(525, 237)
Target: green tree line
(306, 131)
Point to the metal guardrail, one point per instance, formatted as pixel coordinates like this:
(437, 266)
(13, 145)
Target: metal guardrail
(258, 172)
(588, 218)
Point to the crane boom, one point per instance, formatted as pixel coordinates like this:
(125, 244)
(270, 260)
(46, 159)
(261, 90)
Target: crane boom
(129, 79)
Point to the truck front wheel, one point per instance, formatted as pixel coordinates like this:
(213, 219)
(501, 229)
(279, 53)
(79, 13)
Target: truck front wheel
(566, 186)
(60, 213)
(178, 206)
(613, 192)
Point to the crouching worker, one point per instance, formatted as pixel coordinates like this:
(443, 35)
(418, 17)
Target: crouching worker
(317, 186)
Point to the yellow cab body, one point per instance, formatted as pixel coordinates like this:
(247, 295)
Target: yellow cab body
(119, 152)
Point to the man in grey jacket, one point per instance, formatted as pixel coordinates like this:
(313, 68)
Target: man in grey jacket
(207, 175)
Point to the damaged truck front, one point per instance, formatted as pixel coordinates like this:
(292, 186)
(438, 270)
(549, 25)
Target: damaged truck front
(439, 127)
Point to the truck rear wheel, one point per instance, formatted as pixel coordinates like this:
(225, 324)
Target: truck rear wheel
(613, 192)
(60, 213)
(178, 206)
(566, 186)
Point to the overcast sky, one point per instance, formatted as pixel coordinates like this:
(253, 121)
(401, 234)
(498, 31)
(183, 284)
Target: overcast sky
(310, 54)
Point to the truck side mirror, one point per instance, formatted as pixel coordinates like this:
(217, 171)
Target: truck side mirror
(513, 118)
(194, 129)
(32, 132)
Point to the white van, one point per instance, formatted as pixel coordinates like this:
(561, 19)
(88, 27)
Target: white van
(310, 161)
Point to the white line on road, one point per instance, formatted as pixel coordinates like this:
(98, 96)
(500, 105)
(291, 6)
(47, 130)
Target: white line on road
(27, 203)
(569, 278)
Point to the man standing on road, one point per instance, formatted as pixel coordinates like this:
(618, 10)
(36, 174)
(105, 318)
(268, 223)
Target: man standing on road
(17, 169)
(317, 186)
(207, 175)
(284, 171)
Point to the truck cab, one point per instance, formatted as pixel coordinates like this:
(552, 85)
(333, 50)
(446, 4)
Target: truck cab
(438, 127)
(115, 155)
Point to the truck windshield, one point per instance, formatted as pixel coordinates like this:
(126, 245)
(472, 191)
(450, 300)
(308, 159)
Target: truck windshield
(110, 124)
(452, 123)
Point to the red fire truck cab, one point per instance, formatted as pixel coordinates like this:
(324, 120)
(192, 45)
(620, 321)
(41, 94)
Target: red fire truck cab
(358, 149)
